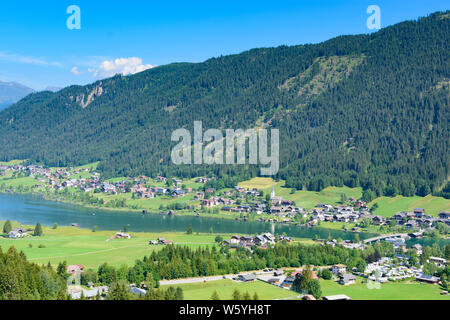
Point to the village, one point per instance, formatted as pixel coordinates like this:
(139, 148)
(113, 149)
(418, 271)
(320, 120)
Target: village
(239, 201)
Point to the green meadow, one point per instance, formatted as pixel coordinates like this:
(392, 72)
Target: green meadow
(432, 205)
(332, 195)
(91, 249)
(225, 288)
(409, 290)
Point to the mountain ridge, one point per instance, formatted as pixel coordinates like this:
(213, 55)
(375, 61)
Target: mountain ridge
(362, 118)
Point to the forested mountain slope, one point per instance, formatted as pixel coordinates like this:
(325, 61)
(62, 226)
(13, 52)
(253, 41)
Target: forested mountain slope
(369, 110)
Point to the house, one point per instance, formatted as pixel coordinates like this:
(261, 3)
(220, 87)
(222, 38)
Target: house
(339, 269)
(138, 291)
(287, 283)
(444, 215)
(278, 273)
(299, 274)
(440, 262)
(235, 239)
(426, 278)
(17, 233)
(347, 279)
(74, 269)
(378, 220)
(308, 297)
(273, 281)
(247, 277)
(411, 224)
(209, 203)
(259, 240)
(418, 248)
(121, 235)
(419, 212)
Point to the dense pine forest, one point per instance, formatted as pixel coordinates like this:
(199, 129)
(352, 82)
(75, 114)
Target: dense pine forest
(366, 110)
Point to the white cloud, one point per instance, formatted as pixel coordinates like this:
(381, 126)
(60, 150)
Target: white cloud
(75, 71)
(124, 66)
(12, 57)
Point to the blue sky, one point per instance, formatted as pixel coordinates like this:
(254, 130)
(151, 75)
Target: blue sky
(38, 50)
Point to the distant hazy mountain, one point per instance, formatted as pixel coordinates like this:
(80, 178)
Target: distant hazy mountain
(11, 92)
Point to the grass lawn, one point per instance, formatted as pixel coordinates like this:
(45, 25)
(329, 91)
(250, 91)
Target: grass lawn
(411, 290)
(225, 288)
(303, 198)
(11, 163)
(432, 205)
(82, 246)
(332, 195)
(14, 183)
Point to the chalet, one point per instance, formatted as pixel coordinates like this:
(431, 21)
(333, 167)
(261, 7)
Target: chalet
(209, 203)
(411, 224)
(347, 279)
(299, 274)
(178, 193)
(278, 273)
(273, 281)
(419, 212)
(245, 240)
(199, 195)
(145, 194)
(121, 235)
(17, 233)
(378, 220)
(287, 283)
(276, 210)
(244, 208)
(161, 190)
(227, 209)
(108, 188)
(210, 190)
(259, 240)
(444, 215)
(399, 216)
(339, 269)
(440, 262)
(418, 248)
(73, 269)
(247, 277)
(427, 278)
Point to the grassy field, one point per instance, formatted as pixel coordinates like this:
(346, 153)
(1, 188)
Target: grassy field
(225, 288)
(11, 163)
(82, 246)
(91, 249)
(389, 291)
(432, 205)
(303, 198)
(332, 195)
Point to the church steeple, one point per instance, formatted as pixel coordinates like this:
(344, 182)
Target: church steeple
(273, 192)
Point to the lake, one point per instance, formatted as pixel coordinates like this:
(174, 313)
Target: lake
(29, 210)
